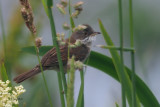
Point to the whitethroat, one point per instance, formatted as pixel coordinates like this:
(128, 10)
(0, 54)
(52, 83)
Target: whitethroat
(50, 62)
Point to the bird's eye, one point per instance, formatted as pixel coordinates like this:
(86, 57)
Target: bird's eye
(85, 32)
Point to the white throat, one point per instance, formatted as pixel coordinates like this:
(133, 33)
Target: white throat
(88, 41)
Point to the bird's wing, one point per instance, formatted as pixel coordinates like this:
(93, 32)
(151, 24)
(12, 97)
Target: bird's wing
(50, 58)
(80, 52)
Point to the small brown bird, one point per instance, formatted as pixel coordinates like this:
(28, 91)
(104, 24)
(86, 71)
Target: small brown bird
(50, 61)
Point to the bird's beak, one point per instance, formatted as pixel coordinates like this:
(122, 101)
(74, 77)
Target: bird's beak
(95, 33)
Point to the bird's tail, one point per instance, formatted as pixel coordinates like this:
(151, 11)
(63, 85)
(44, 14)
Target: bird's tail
(27, 75)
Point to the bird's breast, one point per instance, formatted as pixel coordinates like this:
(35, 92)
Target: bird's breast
(80, 53)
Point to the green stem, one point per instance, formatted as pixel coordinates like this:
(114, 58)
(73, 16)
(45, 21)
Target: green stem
(80, 100)
(70, 14)
(61, 74)
(134, 103)
(121, 53)
(70, 91)
(49, 97)
(3, 31)
(117, 48)
(61, 89)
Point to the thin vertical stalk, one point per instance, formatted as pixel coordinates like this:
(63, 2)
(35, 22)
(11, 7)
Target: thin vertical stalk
(70, 90)
(61, 74)
(132, 54)
(80, 100)
(3, 31)
(70, 12)
(45, 83)
(134, 103)
(121, 53)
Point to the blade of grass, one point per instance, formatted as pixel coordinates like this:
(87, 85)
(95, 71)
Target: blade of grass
(106, 65)
(116, 48)
(80, 100)
(4, 75)
(117, 63)
(3, 31)
(132, 54)
(117, 105)
(44, 3)
(61, 74)
(45, 82)
(121, 68)
(70, 14)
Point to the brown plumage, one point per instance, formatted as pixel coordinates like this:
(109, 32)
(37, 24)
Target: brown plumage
(50, 61)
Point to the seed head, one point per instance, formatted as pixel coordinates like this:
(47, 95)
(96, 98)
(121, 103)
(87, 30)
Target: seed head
(75, 14)
(64, 3)
(38, 42)
(60, 38)
(79, 27)
(61, 8)
(25, 3)
(66, 26)
(78, 4)
(27, 15)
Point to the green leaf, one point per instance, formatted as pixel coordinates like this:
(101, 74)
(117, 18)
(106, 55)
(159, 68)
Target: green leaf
(4, 75)
(80, 100)
(44, 3)
(70, 14)
(105, 64)
(50, 3)
(117, 63)
(117, 104)
(31, 50)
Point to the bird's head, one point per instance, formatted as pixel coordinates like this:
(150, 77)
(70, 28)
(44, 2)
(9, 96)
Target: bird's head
(85, 35)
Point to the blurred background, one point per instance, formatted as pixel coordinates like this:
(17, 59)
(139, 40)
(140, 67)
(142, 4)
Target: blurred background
(101, 90)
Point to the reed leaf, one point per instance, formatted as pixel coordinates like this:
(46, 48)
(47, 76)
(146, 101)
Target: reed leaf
(4, 75)
(44, 3)
(105, 64)
(122, 74)
(80, 100)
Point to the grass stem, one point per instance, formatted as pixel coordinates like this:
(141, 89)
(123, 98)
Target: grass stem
(61, 74)
(70, 91)
(118, 48)
(40, 64)
(70, 14)
(45, 82)
(80, 100)
(121, 53)
(134, 103)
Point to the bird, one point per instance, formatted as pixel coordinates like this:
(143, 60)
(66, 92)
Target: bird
(50, 61)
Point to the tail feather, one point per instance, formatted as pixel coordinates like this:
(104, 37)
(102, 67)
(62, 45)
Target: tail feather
(27, 75)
